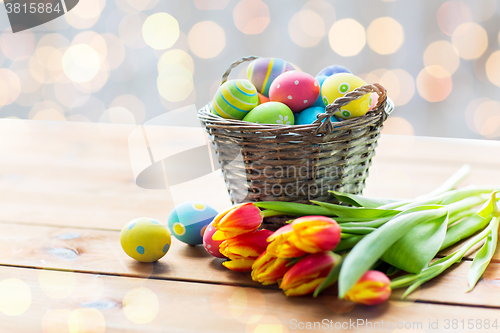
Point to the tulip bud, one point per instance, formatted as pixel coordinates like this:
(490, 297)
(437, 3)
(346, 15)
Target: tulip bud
(268, 269)
(306, 275)
(314, 234)
(238, 220)
(244, 249)
(373, 288)
(280, 246)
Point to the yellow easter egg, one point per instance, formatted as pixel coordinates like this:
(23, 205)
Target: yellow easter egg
(145, 239)
(340, 84)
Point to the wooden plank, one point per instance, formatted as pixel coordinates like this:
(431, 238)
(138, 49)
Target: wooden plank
(99, 251)
(40, 300)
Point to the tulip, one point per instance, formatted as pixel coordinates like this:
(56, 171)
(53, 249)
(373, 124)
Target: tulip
(306, 275)
(281, 247)
(373, 288)
(268, 269)
(238, 220)
(314, 234)
(308, 234)
(244, 249)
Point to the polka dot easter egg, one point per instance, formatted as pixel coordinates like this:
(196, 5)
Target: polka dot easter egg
(262, 72)
(298, 90)
(145, 239)
(234, 99)
(211, 245)
(271, 113)
(309, 115)
(340, 84)
(188, 220)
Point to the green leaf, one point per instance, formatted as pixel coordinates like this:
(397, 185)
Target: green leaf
(416, 249)
(362, 201)
(357, 230)
(294, 208)
(449, 184)
(348, 243)
(343, 211)
(370, 224)
(372, 246)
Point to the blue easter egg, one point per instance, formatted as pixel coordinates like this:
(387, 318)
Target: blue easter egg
(309, 115)
(333, 69)
(320, 79)
(188, 220)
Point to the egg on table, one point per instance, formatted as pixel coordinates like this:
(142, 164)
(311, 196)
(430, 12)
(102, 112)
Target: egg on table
(340, 84)
(188, 220)
(309, 115)
(234, 99)
(262, 72)
(212, 246)
(145, 239)
(298, 90)
(271, 113)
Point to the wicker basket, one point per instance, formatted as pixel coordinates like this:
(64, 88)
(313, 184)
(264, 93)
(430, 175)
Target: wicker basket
(297, 162)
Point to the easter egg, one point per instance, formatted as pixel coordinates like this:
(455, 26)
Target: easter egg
(319, 101)
(145, 239)
(271, 113)
(234, 99)
(340, 84)
(374, 101)
(309, 115)
(298, 90)
(262, 72)
(188, 220)
(212, 246)
(263, 99)
(333, 69)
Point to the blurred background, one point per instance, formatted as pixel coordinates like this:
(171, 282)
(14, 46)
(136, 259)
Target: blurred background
(128, 61)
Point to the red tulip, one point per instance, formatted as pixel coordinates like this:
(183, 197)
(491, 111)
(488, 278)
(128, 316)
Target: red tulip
(268, 269)
(238, 220)
(373, 288)
(244, 249)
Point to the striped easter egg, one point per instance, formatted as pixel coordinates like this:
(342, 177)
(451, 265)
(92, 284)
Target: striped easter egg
(235, 99)
(262, 72)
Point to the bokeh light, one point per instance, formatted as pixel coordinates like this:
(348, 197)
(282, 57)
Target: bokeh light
(206, 39)
(160, 31)
(10, 86)
(451, 14)
(267, 324)
(143, 4)
(116, 50)
(81, 63)
(434, 83)
(251, 16)
(47, 110)
(97, 82)
(247, 305)
(175, 83)
(347, 37)
(69, 95)
(385, 35)
(398, 126)
(211, 4)
(483, 117)
(117, 115)
(85, 15)
(17, 46)
(130, 30)
(15, 297)
(470, 40)
(86, 320)
(56, 320)
(176, 57)
(322, 8)
(306, 28)
(132, 104)
(493, 68)
(94, 40)
(55, 284)
(442, 53)
(141, 305)
(484, 10)
(400, 86)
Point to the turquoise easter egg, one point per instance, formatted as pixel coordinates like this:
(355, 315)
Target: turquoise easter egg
(309, 115)
(145, 239)
(271, 113)
(340, 84)
(262, 72)
(234, 99)
(319, 101)
(188, 220)
(333, 69)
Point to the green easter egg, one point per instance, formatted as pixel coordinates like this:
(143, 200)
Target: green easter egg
(234, 99)
(271, 113)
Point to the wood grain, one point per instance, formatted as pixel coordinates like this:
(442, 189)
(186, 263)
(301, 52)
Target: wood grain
(90, 303)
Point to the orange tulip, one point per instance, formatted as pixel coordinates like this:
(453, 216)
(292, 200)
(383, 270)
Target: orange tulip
(268, 269)
(373, 288)
(306, 275)
(281, 247)
(244, 249)
(238, 220)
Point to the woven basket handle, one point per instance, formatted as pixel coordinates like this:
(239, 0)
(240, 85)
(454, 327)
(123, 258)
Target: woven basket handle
(234, 65)
(331, 109)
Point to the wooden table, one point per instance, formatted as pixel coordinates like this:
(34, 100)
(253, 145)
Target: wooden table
(66, 189)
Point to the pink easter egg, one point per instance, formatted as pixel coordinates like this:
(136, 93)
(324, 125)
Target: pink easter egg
(374, 101)
(211, 245)
(298, 90)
